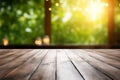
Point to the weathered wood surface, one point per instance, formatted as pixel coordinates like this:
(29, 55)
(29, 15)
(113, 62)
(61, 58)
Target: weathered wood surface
(60, 64)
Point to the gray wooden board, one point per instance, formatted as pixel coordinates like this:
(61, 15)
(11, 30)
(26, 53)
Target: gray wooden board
(112, 62)
(87, 71)
(65, 69)
(5, 69)
(46, 70)
(24, 71)
(109, 70)
(7, 53)
(103, 54)
(110, 52)
(3, 51)
(60, 64)
(12, 57)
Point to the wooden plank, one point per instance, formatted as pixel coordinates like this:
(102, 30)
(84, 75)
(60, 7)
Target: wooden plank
(87, 71)
(10, 53)
(103, 54)
(14, 56)
(4, 51)
(5, 69)
(108, 70)
(75, 65)
(46, 70)
(110, 52)
(117, 49)
(24, 71)
(65, 68)
(114, 50)
(6, 54)
(112, 62)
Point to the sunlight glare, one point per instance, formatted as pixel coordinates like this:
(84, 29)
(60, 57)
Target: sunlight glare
(94, 10)
(67, 16)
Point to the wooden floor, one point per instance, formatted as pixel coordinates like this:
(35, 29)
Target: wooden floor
(59, 64)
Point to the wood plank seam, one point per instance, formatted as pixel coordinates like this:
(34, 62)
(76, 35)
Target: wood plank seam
(105, 55)
(13, 58)
(74, 66)
(110, 54)
(37, 66)
(2, 51)
(103, 60)
(5, 77)
(3, 54)
(8, 54)
(56, 66)
(99, 57)
(18, 65)
(62, 64)
(98, 69)
(106, 62)
(66, 70)
(102, 71)
(46, 70)
(86, 69)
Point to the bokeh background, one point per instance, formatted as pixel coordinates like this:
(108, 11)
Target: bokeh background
(73, 22)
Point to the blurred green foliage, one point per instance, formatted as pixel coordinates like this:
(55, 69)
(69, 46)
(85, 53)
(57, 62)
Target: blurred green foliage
(71, 24)
(21, 21)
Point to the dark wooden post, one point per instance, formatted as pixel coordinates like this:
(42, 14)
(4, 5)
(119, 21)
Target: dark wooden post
(111, 28)
(48, 18)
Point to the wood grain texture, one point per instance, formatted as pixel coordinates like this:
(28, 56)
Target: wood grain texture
(23, 72)
(46, 70)
(60, 64)
(65, 68)
(106, 60)
(14, 55)
(88, 72)
(108, 70)
(98, 51)
(5, 69)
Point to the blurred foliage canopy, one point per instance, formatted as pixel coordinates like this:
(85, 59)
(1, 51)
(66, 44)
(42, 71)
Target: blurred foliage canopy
(82, 22)
(79, 22)
(21, 21)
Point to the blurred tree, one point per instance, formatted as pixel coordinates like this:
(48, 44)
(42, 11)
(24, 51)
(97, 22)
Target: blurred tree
(117, 20)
